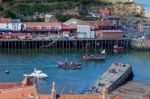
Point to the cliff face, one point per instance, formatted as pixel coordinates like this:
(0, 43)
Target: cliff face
(128, 9)
(65, 9)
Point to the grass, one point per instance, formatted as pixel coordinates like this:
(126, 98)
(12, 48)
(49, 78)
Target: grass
(30, 8)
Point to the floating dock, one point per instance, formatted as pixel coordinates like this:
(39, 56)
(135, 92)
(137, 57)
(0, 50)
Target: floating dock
(115, 76)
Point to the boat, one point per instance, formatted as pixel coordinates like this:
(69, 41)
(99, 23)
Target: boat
(100, 56)
(69, 65)
(116, 48)
(37, 74)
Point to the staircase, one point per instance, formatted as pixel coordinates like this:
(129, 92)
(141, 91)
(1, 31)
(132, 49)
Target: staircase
(51, 43)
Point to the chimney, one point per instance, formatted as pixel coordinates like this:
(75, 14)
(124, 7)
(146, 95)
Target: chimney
(53, 92)
(105, 94)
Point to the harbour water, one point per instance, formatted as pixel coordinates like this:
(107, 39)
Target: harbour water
(19, 62)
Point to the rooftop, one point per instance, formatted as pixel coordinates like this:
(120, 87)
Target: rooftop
(25, 82)
(75, 22)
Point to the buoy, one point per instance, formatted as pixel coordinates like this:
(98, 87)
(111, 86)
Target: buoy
(7, 71)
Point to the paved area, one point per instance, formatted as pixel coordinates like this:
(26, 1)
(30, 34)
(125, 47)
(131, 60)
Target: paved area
(133, 90)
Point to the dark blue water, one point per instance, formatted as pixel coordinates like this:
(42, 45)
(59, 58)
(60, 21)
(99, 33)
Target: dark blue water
(77, 80)
(145, 3)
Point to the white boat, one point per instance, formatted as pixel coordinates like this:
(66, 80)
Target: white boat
(37, 74)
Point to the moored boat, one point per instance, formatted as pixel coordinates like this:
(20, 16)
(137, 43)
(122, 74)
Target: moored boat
(116, 48)
(100, 56)
(37, 74)
(69, 65)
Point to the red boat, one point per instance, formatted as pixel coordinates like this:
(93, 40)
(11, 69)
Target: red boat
(100, 56)
(69, 65)
(117, 48)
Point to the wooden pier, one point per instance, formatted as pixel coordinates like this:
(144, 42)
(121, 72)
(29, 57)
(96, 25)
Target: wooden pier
(92, 44)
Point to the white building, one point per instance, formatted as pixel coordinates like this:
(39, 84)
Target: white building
(84, 31)
(9, 25)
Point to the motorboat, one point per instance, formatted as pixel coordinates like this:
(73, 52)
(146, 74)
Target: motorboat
(100, 56)
(69, 65)
(37, 74)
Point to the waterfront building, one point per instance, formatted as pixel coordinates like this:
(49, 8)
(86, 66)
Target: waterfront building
(16, 25)
(109, 27)
(10, 25)
(19, 36)
(109, 34)
(84, 29)
(47, 27)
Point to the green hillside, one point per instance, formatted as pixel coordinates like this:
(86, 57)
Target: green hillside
(33, 10)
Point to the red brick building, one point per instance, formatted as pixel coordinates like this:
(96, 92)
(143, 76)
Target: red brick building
(109, 34)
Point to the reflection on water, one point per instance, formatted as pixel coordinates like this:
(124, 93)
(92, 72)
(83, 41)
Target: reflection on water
(24, 61)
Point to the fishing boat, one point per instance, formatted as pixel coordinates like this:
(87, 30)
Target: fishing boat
(37, 74)
(69, 65)
(100, 56)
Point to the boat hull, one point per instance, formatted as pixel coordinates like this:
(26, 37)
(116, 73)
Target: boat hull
(69, 66)
(90, 57)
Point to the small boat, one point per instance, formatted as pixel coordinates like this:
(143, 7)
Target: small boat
(100, 56)
(69, 65)
(37, 74)
(116, 48)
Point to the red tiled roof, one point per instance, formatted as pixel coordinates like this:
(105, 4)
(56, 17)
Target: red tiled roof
(5, 20)
(117, 97)
(34, 24)
(25, 82)
(66, 27)
(72, 96)
(9, 85)
(18, 93)
(104, 11)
